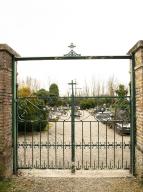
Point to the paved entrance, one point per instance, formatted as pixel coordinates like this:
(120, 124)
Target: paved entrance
(75, 184)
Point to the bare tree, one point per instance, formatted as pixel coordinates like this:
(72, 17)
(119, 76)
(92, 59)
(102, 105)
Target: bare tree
(86, 91)
(111, 86)
(93, 87)
(102, 88)
(98, 88)
(33, 84)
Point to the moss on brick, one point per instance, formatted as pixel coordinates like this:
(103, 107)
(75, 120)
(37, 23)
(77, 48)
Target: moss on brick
(2, 170)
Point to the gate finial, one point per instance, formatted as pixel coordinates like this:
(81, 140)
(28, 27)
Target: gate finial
(72, 53)
(71, 46)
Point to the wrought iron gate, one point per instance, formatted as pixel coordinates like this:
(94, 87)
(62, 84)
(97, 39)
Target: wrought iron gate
(74, 138)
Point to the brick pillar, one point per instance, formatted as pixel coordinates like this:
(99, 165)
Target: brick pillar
(137, 52)
(6, 155)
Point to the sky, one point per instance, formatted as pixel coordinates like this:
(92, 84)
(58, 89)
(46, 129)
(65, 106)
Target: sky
(47, 27)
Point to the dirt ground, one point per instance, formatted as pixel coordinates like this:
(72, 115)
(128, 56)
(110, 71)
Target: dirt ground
(36, 184)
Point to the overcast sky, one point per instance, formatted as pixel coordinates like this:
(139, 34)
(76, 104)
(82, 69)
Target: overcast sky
(47, 27)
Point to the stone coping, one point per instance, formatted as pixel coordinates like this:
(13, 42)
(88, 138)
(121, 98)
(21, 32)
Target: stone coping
(7, 48)
(135, 48)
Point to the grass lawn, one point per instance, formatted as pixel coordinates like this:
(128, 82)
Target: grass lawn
(5, 185)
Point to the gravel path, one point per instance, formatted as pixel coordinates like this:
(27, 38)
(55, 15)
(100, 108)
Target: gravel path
(34, 184)
(86, 132)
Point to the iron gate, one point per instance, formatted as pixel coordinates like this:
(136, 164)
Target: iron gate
(74, 138)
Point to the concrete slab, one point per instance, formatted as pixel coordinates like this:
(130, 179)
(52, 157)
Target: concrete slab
(79, 173)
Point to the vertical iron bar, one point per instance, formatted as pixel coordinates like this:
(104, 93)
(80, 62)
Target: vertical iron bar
(55, 144)
(122, 148)
(82, 146)
(73, 128)
(63, 144)
(32, 147)
(17, 121)
(14, 115)
(48, 146)
(90, 145)
(133, 117)
(25, 144)
(40, 145)
(106, 144)
(114, 145)
(98, 144)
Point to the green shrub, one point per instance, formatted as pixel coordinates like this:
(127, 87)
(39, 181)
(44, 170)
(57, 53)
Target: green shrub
(87, 103)
(32, 114)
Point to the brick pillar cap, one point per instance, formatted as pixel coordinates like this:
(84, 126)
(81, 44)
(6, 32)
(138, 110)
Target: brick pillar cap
(7, 48)
(136, 47)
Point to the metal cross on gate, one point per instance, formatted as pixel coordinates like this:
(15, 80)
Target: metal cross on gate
(72, 53)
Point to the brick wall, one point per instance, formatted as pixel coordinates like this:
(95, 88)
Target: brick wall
(6, 156)
(137, 51)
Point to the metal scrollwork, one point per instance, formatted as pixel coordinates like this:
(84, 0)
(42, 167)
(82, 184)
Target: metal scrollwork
(72, 53)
